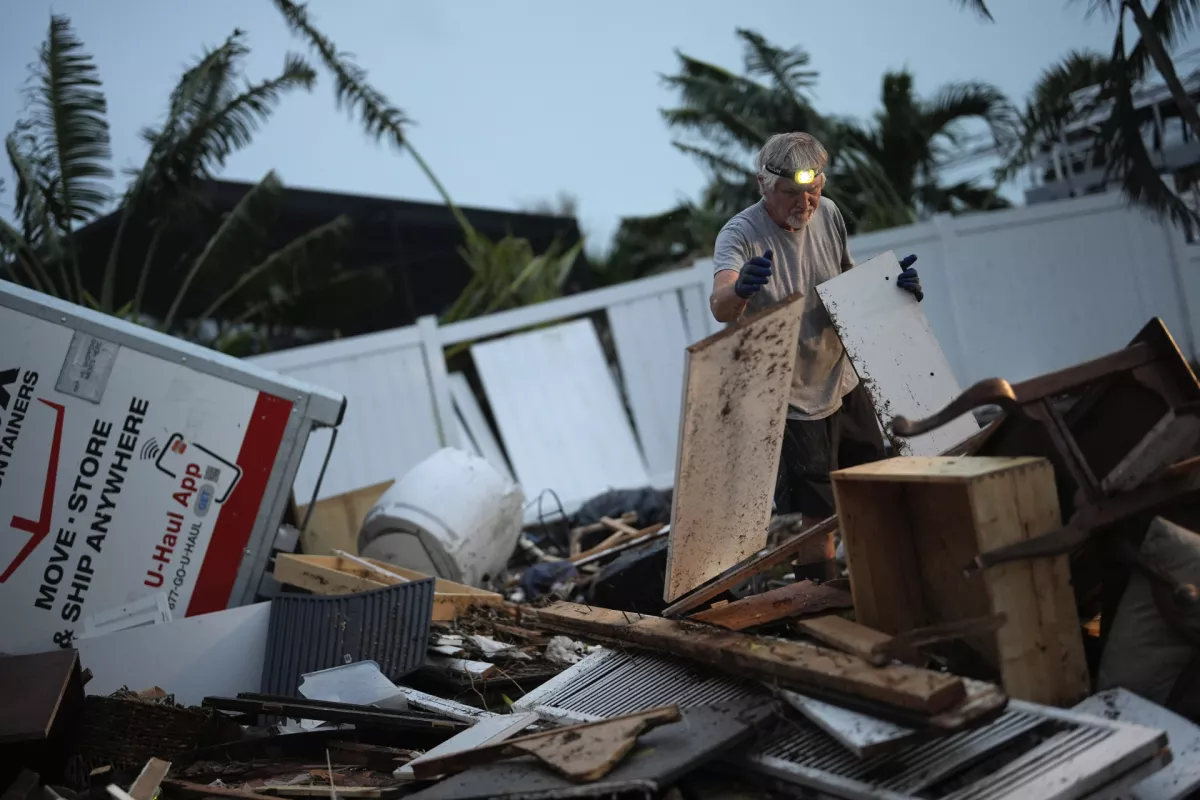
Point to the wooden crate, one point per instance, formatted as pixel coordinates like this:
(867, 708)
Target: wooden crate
(337, 575)
(911, 525)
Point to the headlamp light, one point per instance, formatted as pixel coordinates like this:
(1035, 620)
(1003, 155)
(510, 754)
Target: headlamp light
(804, 177)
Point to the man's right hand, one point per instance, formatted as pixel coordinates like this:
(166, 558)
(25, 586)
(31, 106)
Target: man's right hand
(753, 276)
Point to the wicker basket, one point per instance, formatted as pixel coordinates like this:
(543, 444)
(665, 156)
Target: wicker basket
(122, 730)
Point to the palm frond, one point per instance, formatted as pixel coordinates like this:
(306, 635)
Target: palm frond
(1120, 140)
(968, 99)
(1053, 106)
(380, 119)
(787, 68)
(37, 222)
(70, 127)
(718, 165)
(209, 119)
(307, 253)
(1171, 21)
(978, 6)
(241, 232)
(23, 256)
(215, 120)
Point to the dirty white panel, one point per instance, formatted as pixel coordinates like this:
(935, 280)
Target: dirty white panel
(895, 352)
(389, 426)
(650, 339)
(217, 654)
(475, 424)
(559, 413)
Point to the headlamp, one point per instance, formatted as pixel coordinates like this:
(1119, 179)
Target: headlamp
(804, 177)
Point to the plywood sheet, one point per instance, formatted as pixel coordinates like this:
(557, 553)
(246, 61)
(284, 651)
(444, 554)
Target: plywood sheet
(895, 352)
(559, 413)
(735, 403)
(650, 339)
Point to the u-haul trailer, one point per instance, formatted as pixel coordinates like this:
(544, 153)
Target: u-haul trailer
(133, 463)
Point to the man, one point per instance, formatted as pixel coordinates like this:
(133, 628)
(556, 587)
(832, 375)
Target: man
(788, 243)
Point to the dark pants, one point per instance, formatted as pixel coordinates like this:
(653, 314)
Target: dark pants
(814, 448)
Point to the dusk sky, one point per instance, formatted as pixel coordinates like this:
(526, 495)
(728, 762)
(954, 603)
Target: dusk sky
(516, 101)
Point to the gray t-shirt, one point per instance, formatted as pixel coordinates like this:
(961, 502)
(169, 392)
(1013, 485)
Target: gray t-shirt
(802, 259)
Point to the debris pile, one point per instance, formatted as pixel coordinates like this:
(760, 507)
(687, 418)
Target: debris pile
(1015, 616)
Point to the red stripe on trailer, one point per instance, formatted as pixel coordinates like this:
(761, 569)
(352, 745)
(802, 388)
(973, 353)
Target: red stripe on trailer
(260, 447)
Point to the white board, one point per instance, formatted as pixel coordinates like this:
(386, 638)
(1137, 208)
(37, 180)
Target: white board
(894, 351)
(650, 340)
(217, 655)
(559, 413)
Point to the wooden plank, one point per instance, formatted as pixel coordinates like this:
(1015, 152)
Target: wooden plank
(32, 691)
(332, 575)
(808, 667)
(803, 597)
(580, 445)
(737, 386)
(579, 752)
(336, 520)
(881, 556)
(895, 352)
(145, 787)
(1040, 649)
(935, 469)
(756, 565)
(1173, 438)
(618, 539)
(845, 635)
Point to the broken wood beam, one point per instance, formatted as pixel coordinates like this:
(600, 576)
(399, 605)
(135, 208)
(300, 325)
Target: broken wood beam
(878, 648)
(793, 600)
(802, 666)
(619, 538)
(755, 565)
(580, 753)
(845, 635)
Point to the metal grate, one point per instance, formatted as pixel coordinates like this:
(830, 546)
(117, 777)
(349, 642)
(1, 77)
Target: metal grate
(611, 683)
(308, 633)
(1027, 746)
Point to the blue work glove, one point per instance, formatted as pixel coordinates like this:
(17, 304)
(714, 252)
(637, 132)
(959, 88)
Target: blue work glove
(909, 281)
(753, 276)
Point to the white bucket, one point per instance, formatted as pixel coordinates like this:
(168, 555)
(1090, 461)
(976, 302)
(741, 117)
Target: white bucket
(453, 515)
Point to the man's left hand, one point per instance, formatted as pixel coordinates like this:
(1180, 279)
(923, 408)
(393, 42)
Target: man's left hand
(909, 281)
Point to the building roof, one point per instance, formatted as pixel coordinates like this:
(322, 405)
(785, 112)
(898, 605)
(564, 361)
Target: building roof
(415, 245)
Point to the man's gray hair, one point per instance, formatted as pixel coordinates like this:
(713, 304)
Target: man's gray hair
(789, 151)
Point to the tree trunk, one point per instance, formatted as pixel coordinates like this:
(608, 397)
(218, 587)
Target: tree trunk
(1164, 65)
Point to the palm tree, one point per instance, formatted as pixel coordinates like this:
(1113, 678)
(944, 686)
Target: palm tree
(880, 176)
(729, 116)
(1052, 107)
(506, 273)
(1119, 144)
(59, 156)
(911, 140)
